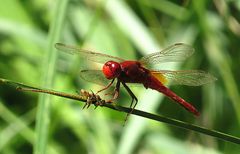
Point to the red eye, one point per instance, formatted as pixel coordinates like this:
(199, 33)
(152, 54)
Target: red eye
(111, 69)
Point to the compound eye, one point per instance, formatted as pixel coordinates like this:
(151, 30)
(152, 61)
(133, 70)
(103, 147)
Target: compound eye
(111, 69)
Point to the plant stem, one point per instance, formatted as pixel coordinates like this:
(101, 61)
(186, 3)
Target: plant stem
(174, 122)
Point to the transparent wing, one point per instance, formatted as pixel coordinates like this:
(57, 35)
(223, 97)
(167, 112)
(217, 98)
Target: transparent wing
(90, 55)
(186, 77)
(94, 76)
(174, 53)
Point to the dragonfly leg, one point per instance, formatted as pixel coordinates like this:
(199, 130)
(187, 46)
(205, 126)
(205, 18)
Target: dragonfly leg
(106, 87)
(133, 98)
(131, 94)
(116, 92)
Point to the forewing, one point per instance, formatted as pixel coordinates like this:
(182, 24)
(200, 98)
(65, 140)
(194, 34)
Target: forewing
(186, 77)
(174, 53)
(94, 76)
(90, 55)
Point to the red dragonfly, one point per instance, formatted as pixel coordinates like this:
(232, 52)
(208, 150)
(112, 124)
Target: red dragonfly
(132, 71)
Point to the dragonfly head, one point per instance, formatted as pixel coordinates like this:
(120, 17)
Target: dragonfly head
(111, 69)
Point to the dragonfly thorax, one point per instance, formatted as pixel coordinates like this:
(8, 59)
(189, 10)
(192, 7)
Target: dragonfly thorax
(111, 69)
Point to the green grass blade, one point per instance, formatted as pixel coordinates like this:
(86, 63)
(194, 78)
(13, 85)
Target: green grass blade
(42, 121)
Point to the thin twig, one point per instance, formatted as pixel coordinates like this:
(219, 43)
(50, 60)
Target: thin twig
(96, 98)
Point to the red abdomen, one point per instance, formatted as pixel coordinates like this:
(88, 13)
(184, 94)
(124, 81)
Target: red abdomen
(155, 84)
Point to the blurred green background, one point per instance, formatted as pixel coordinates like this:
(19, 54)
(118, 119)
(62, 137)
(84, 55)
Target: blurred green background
(127, 29)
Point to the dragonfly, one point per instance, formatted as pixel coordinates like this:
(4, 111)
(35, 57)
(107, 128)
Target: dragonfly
(119, 71)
